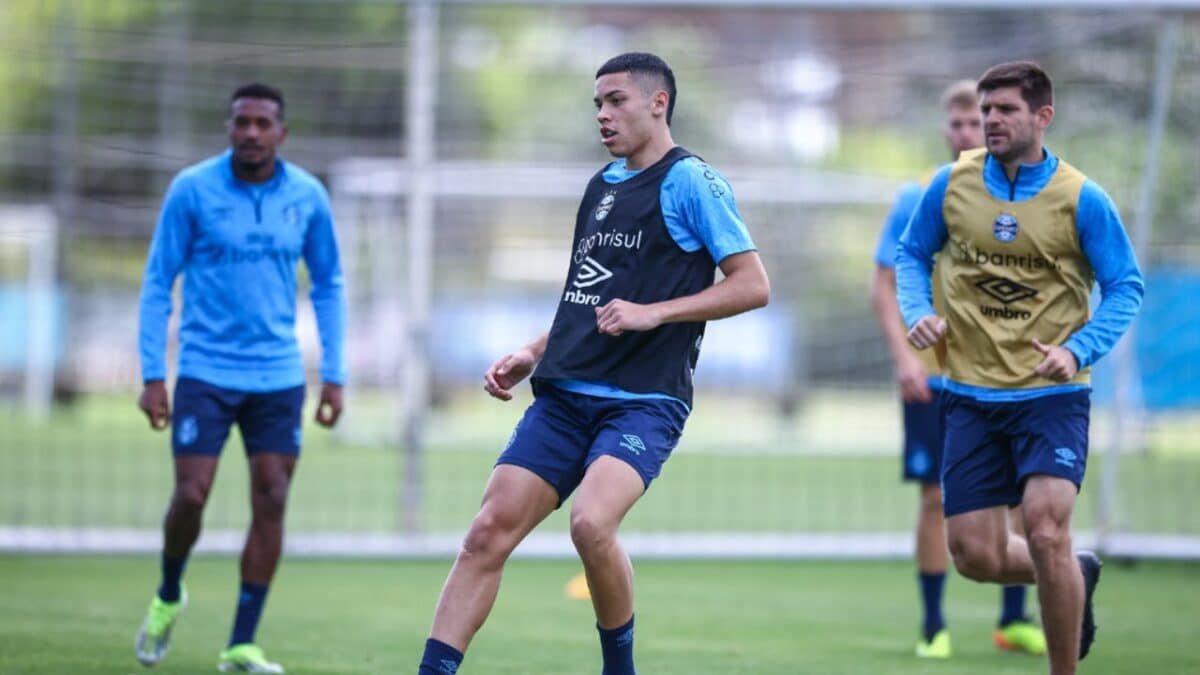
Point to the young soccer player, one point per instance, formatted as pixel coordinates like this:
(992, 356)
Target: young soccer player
(1023, 237)
(919, 375)
(613, 377)
(235, 226)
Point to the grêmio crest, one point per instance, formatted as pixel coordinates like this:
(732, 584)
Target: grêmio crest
(1006, 227)
(606, 204)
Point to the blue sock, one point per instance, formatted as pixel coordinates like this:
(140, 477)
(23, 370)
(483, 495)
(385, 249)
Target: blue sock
(617, 647)
(249, 609)
(439, 659)
(172, 572)
(1014, 604)
(931, 594)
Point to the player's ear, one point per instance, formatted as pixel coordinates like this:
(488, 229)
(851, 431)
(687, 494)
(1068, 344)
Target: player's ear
(659, 105)
(1045, 115)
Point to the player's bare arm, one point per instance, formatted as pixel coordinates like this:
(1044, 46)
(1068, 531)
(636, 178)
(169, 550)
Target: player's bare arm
(745, 287)
(510, 369)
(910, 373)
(927, 332)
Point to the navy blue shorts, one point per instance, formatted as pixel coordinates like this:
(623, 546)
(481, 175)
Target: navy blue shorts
(563, 432)
(924, 431)
(992, 448)
(269, 421)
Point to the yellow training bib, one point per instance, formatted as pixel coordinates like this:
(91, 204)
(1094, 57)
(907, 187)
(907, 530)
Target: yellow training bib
(1011, 272)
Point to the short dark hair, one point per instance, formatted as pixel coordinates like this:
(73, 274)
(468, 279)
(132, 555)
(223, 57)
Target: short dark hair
(1036, 88)
(259, 90)
(642, 65)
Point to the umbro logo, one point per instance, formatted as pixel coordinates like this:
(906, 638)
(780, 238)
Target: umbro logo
(633, 443)
(590, 273)
(1005, 290)
(1065, 456)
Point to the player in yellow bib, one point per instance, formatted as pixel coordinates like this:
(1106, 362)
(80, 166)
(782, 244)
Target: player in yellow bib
(919, 375)
(1021, 238)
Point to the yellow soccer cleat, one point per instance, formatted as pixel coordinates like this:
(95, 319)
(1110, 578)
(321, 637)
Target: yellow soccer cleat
(937, 648)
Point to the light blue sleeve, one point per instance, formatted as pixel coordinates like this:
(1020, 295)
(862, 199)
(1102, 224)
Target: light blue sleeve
(902, 209)
(924, 236)
(169, 250)
(1108, 250)
(328, 299)
(700, 211)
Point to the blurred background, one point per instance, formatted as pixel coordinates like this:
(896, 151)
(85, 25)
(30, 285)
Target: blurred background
(455, 139)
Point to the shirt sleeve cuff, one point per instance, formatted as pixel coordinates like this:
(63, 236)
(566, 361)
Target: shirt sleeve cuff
(1078, 352)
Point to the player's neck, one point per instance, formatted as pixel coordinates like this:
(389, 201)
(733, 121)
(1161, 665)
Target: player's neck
(259, 174)
(1034, 155)
(655, 149)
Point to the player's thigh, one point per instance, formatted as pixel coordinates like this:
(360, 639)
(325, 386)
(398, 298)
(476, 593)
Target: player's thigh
(924, 436)
(979, 533)
(609, 489)
(978, 471)
(203, 415)
(270, 421)
(1050, 436)
(514, 502)
(271, 471)
(552, 439)
(639, 432)
(1048, 504)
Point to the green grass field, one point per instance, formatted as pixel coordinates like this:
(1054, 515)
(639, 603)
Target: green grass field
(78, 615)
(738, 468)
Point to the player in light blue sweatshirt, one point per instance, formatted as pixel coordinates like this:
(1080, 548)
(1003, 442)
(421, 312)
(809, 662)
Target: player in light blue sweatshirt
(235, 226)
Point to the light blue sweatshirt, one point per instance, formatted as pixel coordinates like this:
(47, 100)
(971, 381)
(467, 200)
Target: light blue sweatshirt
(237, 245)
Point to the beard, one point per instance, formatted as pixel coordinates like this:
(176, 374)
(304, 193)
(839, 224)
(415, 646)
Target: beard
(1016, 148)
(252, 159)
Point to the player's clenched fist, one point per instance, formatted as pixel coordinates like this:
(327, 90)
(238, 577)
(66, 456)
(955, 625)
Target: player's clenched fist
(506, 372)
(1059, 365)
(927, 332)
(618, 316)
(155, 404)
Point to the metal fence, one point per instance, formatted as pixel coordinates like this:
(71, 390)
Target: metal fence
(455, 139)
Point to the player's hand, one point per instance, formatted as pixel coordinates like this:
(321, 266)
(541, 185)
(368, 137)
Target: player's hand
(913, 380)
(154, 403)
(507, 371)
(927, 332)
(619, 316)
(1059, 365)
(330, 407)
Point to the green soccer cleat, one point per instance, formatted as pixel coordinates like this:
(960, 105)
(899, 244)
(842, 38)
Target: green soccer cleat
(154, 637)
(246, 658)
(937, 648)
(1021, 636)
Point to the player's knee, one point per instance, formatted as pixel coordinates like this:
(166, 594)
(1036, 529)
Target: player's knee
(190, 496)
(490, 539)
(270, 498)
(1047, 537)
(975, 559)
(589, 533)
